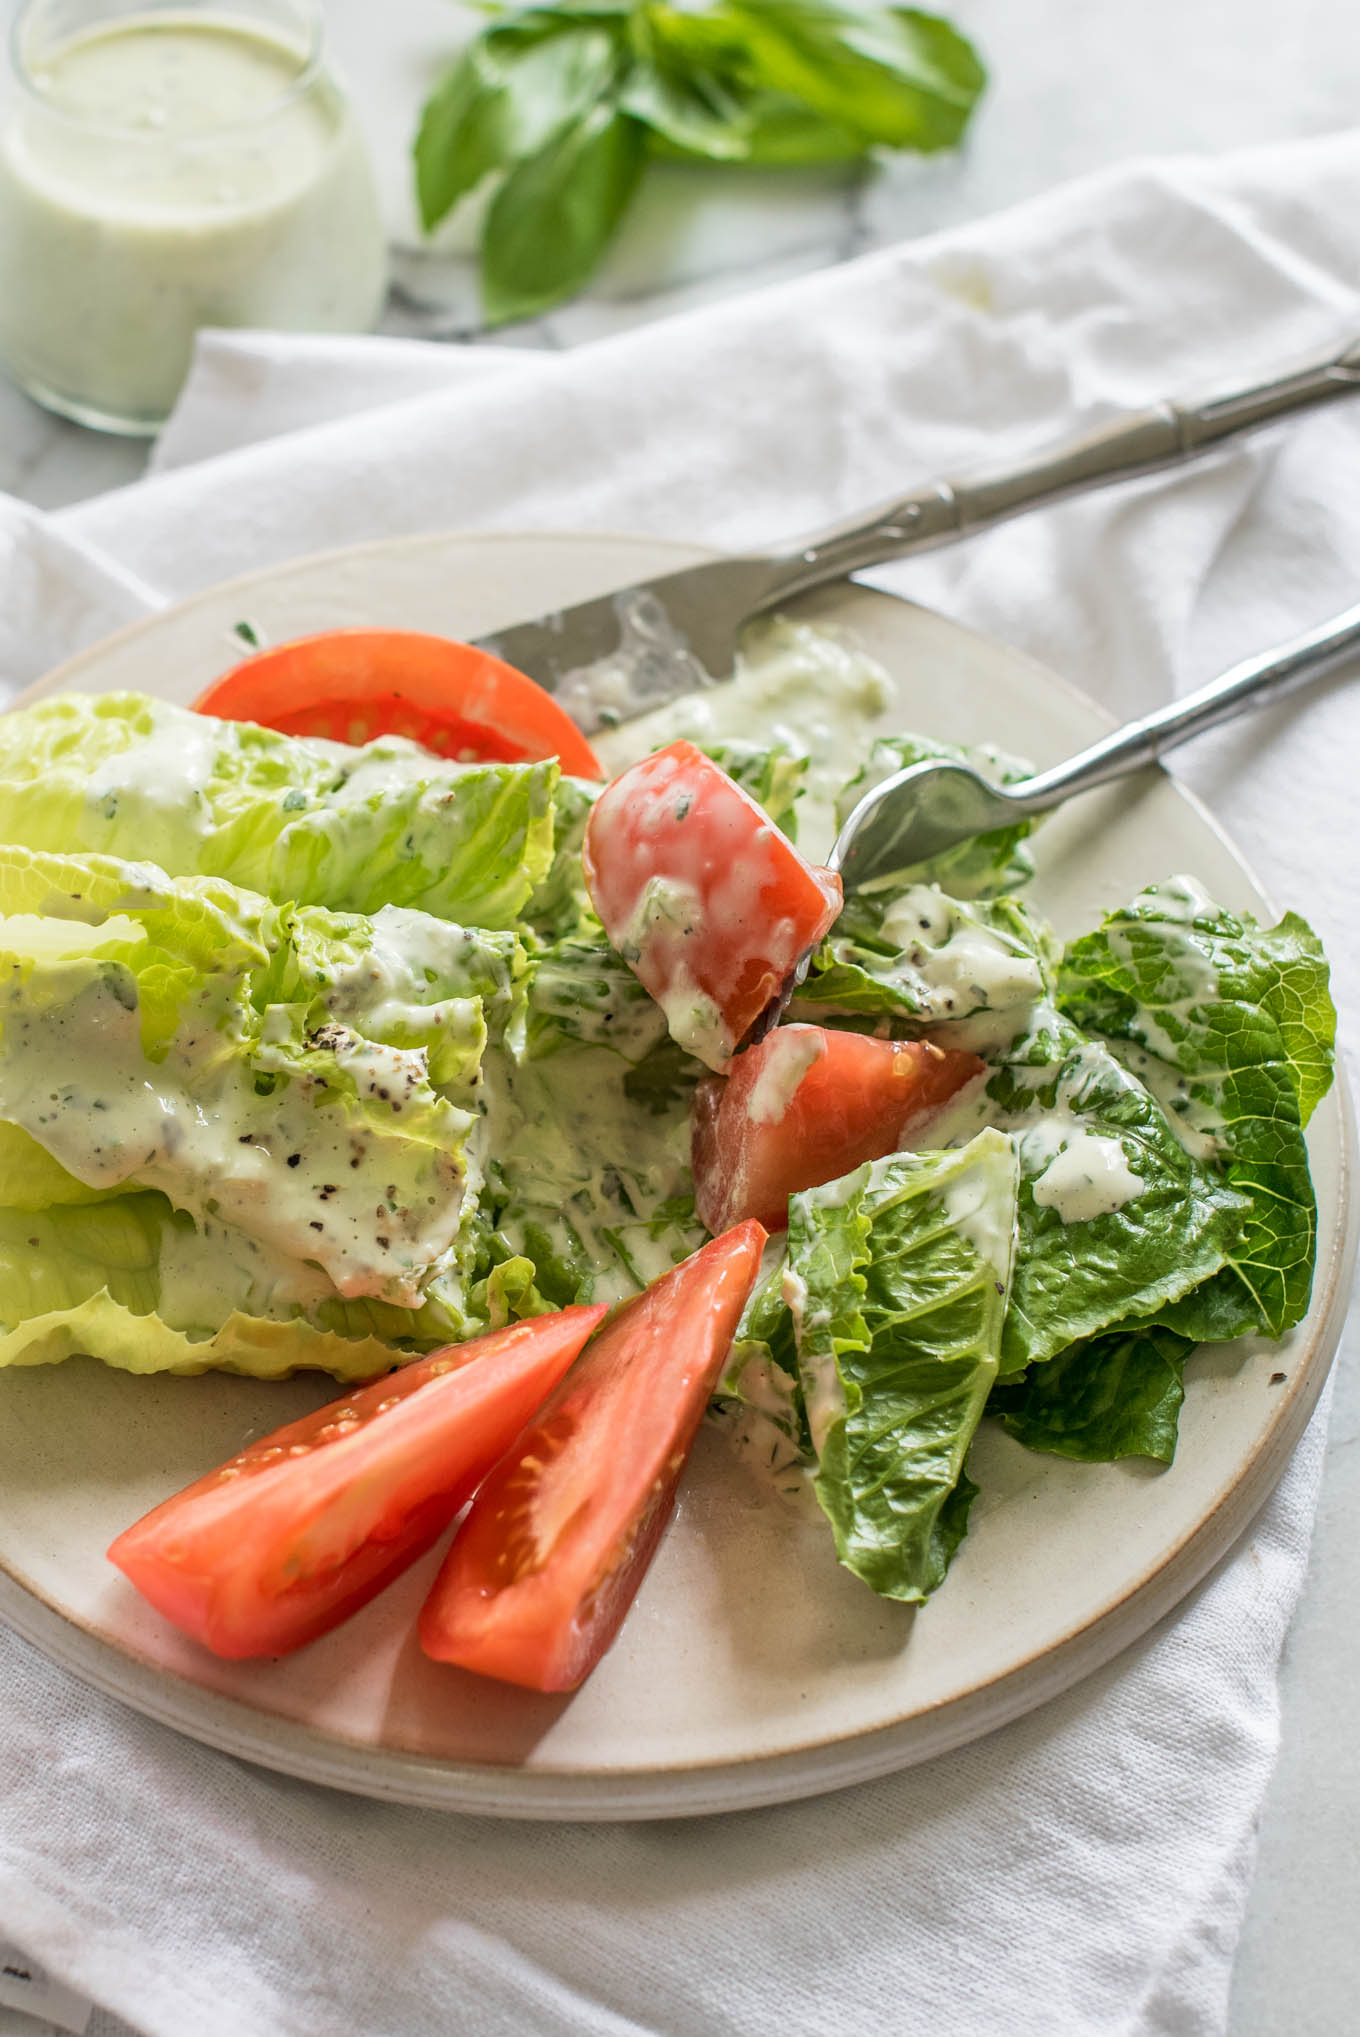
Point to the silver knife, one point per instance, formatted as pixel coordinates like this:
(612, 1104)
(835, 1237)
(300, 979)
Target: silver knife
(625, 652)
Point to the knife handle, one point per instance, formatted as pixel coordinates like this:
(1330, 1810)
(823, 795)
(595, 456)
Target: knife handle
(1141, 443)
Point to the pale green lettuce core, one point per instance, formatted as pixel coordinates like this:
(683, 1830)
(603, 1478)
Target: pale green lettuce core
(300, 1085)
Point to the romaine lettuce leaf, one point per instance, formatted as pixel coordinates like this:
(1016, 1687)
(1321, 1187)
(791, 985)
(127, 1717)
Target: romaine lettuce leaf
(296, 818)
(898, 1278)
(774, 774)
(762, 1365)
(1231, 1024)
(986, 865)
(1114, 1396)
(593, 1190)
(916, 956)
(580, 991)
(1148, 1225)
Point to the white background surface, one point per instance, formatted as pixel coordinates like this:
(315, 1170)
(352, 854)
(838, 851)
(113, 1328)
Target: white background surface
(1074, 86)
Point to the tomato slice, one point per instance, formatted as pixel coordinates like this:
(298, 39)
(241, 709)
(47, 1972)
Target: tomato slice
(559, 1537)
(806, 1106)
(355, 684)
(705, 899)
(283, 1542)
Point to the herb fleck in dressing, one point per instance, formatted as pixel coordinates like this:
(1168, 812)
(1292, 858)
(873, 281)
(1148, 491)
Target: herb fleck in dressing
(1087, 1177)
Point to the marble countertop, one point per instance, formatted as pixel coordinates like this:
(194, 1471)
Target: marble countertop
(1075, 88)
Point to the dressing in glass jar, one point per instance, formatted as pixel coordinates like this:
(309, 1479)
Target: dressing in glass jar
(164, 168)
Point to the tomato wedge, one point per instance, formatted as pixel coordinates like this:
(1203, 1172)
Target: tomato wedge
(283, 1542)
(355, 684)
(704, 898)
(806, 1106)
(559, 1537)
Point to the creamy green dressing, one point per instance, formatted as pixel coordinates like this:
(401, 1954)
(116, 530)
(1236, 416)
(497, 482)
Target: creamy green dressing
(1196, 1121)
(789, 1053)
(1088, 1176)
(965, 979)
(693, 1020)
(584, 1164)
(170, 172)
(290, 1167)
(806, 687)
(1178, 904)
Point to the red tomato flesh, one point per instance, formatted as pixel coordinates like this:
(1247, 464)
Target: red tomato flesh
(355, 684)
(559, 1537)
(806, 1106)
(705, 899)
(283, 1542)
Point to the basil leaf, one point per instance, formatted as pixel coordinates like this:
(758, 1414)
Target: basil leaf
(898, 77)
(506, 96)
(674, 89)
(782, 133)
(556, 213)
(693, 113)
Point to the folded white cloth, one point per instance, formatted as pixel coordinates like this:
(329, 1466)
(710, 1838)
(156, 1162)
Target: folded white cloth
(1083, 1871)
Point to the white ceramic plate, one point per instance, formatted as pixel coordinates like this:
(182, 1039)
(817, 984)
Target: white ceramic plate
(751, 1670)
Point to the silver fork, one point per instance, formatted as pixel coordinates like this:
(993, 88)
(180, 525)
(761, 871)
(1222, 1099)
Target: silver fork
(929, 807)
(919, 812)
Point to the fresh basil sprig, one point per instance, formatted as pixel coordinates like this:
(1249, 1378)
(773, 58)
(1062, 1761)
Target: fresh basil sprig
(567, 99)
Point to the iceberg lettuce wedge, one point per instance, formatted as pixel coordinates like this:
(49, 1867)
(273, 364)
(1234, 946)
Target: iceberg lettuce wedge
(289, 1071)
(140, 1286)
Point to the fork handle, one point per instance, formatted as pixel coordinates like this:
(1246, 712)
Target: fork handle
(1141, 443)
(1254, 683)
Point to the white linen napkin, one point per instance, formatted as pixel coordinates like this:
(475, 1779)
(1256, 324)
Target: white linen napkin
(1084, 1870)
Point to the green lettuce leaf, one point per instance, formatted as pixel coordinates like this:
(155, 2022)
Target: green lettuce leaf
(1116, 1219)
(981, 868)
(898, 1278)
(314, 1058)
(774, 774)
(598, 1215)
(580, 991)
(762, 1365)
(560, 907)
(142, 1287)
(1232, 1026)
(970, 972)
(1114, 1396)
(296, 818)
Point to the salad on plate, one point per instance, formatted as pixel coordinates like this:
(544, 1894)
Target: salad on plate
(422, 1060)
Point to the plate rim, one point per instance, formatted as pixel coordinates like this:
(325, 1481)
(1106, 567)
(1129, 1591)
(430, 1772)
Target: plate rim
(321, 1755)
